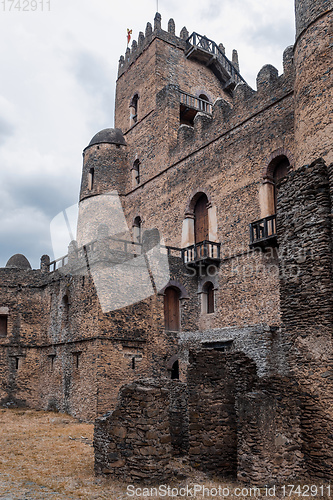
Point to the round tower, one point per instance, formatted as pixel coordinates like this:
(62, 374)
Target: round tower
(104, 164)
(105, 174)
(313, 83)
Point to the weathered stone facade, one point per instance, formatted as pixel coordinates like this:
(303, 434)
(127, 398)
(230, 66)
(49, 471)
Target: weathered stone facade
(245, 322)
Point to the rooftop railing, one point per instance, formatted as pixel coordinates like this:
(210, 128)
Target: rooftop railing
(204, 43)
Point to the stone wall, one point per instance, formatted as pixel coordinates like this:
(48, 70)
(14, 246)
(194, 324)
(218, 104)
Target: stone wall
(214, 380)
(269, 440)
(305, 240)
(134, 442)
(178, 418)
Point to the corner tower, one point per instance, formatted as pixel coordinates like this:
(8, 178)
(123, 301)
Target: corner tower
(313, 54)
(104, 164)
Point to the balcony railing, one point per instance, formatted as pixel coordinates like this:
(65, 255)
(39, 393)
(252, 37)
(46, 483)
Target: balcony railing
(193, 102)
(201, 43)
(124, 249)
(206, 252)
(263, 232)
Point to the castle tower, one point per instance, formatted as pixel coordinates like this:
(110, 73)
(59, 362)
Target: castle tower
(313, 85)
(163, 81)
(104, 172)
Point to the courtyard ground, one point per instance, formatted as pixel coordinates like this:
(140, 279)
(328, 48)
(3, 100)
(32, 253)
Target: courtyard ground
(49, 456)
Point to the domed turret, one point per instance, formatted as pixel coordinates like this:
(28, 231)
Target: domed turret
(108, 136)
(18, 261)
(104, 164)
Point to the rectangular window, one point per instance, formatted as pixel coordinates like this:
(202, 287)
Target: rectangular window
(76, 358)
(3, 325)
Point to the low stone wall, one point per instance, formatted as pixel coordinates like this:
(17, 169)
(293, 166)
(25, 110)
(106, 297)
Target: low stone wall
(214, 379)
(269, 445)
(178, 417)
(133, 442)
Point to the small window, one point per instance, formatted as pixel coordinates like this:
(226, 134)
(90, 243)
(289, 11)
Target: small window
(175, 370)
(91, 179)
(134, 109)
(208, 298)
(17, 363)
(65, 303)
(136, 173)
(76, 357)
(133, 363)
(137, 230)
(3, 325)
(52, 358)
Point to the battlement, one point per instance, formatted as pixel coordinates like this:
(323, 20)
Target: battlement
(194, 45)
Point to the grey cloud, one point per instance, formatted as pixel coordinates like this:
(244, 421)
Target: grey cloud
(271, 34)
(48, 195)
(6, 129)
(32, 244)
(94, 75)
(212, 9)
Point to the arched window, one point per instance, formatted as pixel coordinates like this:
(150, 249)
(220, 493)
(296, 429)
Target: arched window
(91, 179)
(137, 229)
(175, 370)
(281, 170)
(208, 298)
(172, 309)
(201, 224)
(134, 109)
(3, 325)
(204, 106)
(136, 173)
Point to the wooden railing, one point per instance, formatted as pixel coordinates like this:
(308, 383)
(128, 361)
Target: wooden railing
(57, 263)
(193, 102)
(210, 46)
(130, 249)
(208, 251)
(263, 232)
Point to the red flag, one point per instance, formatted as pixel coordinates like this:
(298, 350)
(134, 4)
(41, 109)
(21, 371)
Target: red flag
(129, 32)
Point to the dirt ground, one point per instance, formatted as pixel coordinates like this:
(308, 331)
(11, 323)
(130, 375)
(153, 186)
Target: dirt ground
(49, 456)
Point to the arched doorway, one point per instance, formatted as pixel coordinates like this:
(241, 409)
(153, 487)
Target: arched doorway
(281, 169)
(172, 309)
(201, 224)
(175, 370)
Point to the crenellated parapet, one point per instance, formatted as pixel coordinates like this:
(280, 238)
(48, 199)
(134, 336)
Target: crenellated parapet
(181, 41)
(145, 39)
(245, 105)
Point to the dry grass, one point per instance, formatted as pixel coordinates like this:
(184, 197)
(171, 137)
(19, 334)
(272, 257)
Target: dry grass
(48, 455)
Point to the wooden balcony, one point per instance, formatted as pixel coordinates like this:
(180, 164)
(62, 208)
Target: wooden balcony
(203, 49)
(263, 233)
(190, 105)
(202, 254)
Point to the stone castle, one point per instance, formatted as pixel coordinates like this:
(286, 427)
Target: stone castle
(230, 360)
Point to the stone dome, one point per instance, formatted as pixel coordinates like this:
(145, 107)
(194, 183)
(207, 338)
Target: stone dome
(19, 261)
(108, 135)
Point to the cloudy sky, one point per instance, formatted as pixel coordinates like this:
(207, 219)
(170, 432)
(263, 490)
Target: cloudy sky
(57, 83)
